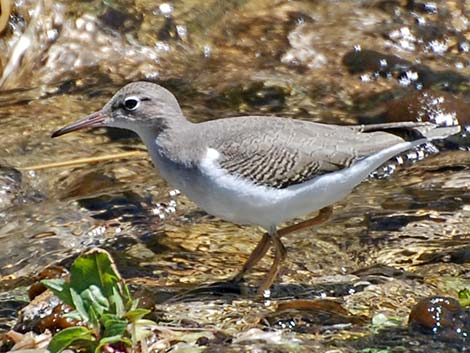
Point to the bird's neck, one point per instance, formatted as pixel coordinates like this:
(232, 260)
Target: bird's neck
(165, 135)
(168, 149)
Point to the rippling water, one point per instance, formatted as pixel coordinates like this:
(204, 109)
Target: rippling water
(226, 58)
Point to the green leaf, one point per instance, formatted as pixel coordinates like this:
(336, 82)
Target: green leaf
(107, 317)
(98, 296)
(136, 314)
(94, 268)
(110, 340)
(77, 304)
(115, 327)
(108, 320)
(94, 298)
(54, 284)
(60, 288)
(116, 299)
(74, 315)
(134, 304)
(125, 293)
(94, 320)
(66, 337)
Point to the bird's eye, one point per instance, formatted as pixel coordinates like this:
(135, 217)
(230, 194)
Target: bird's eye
(131, 103)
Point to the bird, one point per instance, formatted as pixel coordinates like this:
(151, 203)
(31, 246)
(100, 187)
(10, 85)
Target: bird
(254, 170)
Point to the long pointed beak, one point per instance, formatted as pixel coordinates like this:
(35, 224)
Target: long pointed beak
(92, 120)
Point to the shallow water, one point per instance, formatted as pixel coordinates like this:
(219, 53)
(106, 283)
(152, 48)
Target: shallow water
(222, 59)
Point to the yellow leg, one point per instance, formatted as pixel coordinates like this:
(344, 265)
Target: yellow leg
(280, 254)
(265, 242)
(321, 217)
(255, 256)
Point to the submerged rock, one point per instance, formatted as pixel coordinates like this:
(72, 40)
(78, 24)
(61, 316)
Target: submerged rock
(442, 317)
(313, 316)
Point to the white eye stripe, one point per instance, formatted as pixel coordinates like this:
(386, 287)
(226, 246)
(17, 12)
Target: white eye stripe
(131, 103)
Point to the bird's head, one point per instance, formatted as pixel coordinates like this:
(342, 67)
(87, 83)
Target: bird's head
(137, 106)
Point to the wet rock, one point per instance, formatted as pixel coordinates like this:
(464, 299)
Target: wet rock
(258, 95)
(10, 186)
(44, 310)
(407, 73)
(37, 287)
(442, 317)
(435, 28)
(88, 184)
(399, 340)
(53, 41)
(312, 316)
(338, 287)
(56, 320)
(127, 207)
(120, 20)
(60, 232)
(381, 273)
(453, 256)
(220, 290)
(40, 307)
(426, 105)
(10, 303)
(363, 60)
(422, 6)
(393, 223)
(442, 108)
(169, 30)
(303, 40)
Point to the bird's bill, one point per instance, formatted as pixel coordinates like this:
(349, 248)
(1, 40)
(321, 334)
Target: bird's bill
(92, 120)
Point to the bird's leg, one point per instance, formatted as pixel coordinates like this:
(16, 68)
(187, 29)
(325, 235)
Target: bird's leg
(255, 256)
(280, 254)
(263, 246)
(320, 218)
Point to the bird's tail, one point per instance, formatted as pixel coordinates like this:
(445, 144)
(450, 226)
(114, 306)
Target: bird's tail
(423, 136)
(411, 131)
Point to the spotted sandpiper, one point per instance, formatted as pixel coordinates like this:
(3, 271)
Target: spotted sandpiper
(249, 170)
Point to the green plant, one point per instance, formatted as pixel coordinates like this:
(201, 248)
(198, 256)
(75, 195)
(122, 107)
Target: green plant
(464, 297)
(102, 303)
